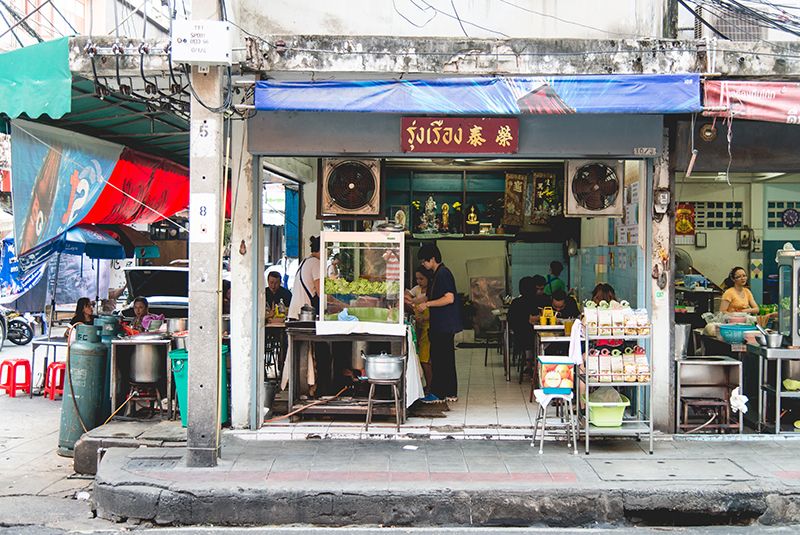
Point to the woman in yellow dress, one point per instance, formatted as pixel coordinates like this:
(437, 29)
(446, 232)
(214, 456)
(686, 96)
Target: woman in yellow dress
(419, 294)
(738, 298)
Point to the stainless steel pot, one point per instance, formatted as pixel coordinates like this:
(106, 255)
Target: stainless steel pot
(226, 324)
(175, 325)
(180, 342)
(147, 361)
(771, 340)
(384, 366)
(307, 313)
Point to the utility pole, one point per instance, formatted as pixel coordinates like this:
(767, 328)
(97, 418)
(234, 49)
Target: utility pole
(670, 21)
(205, 256)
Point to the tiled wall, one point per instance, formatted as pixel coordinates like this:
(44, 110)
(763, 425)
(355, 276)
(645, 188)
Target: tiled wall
(528, 259)
(619, 266)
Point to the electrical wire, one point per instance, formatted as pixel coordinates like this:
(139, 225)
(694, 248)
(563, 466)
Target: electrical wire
(12, 31)
(458, 18)
(304, 407)
(408, 20)
(460, 21)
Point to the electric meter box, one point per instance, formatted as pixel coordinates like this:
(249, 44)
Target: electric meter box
(202, 42)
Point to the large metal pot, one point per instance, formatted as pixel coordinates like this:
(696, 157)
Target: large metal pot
(383, 366)
(226, 324)
(307, 313)
(175, 325)
(147, 361)
(180, 342)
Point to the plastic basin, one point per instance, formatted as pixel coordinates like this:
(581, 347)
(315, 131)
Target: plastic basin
(604, 414)
(734, 334)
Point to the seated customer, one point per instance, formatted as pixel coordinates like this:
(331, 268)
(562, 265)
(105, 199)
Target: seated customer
(84, 312)
(603, 292)
(520, 314)
(276, 292)
(564, 305)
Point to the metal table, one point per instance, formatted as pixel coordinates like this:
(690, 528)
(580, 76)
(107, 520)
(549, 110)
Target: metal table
(128, 342)
(711, 377)
(776, 355)
(36, 343)
(297, 335)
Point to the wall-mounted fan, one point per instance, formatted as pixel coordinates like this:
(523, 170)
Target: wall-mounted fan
(594, 188)
(349, 188)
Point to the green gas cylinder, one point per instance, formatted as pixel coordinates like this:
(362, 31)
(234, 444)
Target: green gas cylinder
(83, 387)
(109, 329)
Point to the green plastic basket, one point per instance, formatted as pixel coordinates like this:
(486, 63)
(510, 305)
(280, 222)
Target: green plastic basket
(607, 414)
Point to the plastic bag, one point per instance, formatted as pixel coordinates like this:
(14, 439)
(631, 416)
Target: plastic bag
(605, 394)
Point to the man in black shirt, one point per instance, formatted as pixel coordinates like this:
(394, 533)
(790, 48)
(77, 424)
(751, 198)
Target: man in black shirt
(276, 292)
(445, 322)
(564, 305)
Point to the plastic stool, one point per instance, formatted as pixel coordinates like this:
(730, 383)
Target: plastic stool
(394, 384)
(571, 425)
(11, 385)
(54, 379)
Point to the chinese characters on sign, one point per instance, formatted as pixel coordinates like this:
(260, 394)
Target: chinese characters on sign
(514, 203)
(460, 135)
(684, 219)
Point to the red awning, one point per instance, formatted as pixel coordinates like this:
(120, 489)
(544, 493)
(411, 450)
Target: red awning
(777, 102)
(153, 188)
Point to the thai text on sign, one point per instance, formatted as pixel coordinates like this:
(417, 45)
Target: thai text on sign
(460, 135)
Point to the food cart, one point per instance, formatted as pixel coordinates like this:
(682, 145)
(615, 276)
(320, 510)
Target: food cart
(361, 303)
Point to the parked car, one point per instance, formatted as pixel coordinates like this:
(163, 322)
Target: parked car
(166, 289)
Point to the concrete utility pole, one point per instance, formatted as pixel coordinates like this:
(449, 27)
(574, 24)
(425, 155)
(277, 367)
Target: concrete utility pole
(205, 250)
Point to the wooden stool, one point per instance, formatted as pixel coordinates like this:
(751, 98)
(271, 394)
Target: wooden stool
(394, 384)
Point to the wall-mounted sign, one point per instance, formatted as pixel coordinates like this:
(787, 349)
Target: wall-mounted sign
(684, 219)
(482, 135)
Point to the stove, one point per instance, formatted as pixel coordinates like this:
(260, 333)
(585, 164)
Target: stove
(146, 397)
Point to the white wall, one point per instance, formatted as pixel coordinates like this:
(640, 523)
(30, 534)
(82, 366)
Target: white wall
(534, 18)
(716, 260)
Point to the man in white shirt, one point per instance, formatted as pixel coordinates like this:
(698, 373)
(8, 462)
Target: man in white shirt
(306, 282)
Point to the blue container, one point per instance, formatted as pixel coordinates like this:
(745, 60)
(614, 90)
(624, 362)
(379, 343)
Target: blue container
(734, 334)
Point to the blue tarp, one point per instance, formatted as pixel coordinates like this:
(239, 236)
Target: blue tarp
(645, 94)
(12, 284)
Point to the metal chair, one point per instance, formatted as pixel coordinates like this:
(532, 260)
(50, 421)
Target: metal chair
(568, 421)
(395, 384)
(489, 337)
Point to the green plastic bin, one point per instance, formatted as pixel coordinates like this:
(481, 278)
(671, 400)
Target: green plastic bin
(180, 370)
(607, 414)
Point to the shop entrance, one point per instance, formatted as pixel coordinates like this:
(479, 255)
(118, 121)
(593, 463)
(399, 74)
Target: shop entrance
(496, 223)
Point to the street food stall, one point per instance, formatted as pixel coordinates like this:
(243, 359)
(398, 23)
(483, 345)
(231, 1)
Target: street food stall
(360, 303)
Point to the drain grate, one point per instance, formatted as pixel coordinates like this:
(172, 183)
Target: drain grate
(668, 470)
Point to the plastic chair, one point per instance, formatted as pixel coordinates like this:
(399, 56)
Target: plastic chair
(570, 425)
(54, 379)
(11, 384)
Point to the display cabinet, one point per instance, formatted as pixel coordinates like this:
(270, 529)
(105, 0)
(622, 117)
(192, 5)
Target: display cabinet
(362, 283)
(789, 296)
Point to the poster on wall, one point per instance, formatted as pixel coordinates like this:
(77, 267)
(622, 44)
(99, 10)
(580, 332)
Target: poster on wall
(628, 227)
(5, 163)
(684, 219)
(514, 205)
(548, 198)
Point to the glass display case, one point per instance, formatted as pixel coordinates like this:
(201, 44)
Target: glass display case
(788, 296)
(362, 283)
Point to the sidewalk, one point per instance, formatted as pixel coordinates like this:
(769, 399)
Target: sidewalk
(457, 483)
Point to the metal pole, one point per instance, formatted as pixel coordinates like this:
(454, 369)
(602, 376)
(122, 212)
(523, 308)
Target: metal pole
(53, 298)
(205, 257)
(97, 282)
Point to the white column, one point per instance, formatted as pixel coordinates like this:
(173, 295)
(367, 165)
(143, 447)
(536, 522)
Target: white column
(247, 283)
(662, 262)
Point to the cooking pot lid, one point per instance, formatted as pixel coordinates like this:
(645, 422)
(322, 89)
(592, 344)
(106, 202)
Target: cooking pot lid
(148, 336)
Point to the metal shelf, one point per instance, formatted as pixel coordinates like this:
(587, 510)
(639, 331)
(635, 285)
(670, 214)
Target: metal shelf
(784, 393)
(628, 338)
(592, 384)
(627, 428)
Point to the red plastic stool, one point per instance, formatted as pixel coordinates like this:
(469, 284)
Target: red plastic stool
(11, 385)
(54, 379)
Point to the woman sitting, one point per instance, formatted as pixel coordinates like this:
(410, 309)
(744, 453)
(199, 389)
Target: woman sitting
(140, 309)
(737, 297)
(84, 312)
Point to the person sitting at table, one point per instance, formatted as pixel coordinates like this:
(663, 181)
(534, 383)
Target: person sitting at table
(564, 305)
(737, 297)
(276, 293)
(553, 281)
(540, 298)
(520, 312)
(603, 292)
(226, 296)
(140, 309)
(84, 312)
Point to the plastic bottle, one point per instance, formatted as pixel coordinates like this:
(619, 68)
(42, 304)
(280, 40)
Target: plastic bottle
(281, 309)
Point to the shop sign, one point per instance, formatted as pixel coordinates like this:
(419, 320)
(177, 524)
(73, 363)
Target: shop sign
(777, 102)
(462, 135)
(514, 202)
(684, 219)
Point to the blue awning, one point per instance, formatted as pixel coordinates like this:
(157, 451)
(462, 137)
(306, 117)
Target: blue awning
(641, 94)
